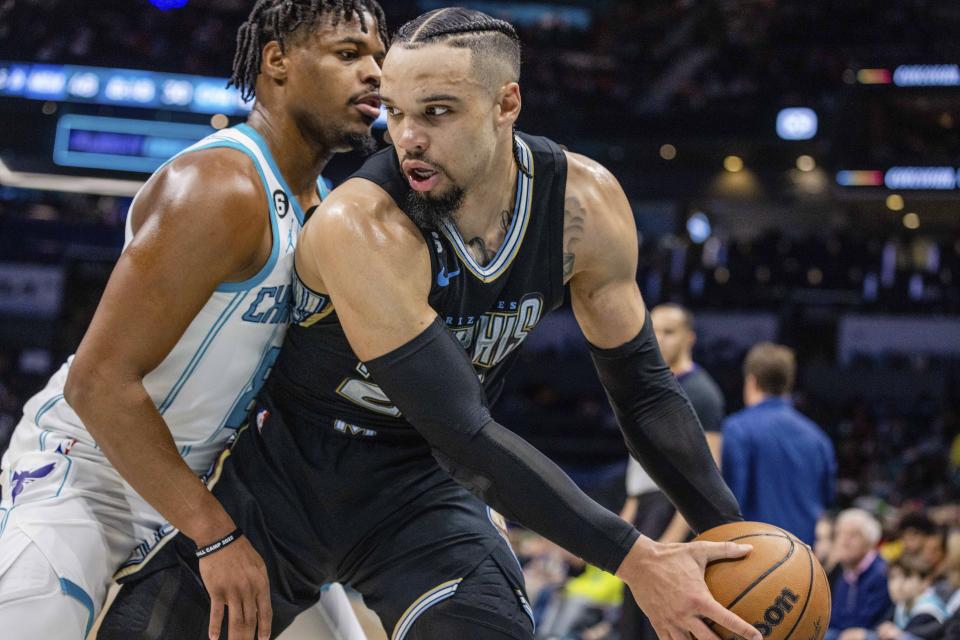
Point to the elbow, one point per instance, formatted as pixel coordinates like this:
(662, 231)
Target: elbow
(87, 384)
(79, 388)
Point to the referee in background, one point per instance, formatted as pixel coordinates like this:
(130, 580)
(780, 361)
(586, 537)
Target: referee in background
(779, 464)
(648, 508)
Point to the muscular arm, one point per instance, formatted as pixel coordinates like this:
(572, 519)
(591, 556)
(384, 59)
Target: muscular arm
(659, 425)
(374, 264)
(191, 233)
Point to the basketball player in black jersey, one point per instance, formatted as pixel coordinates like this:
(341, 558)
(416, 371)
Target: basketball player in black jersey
(371, 456)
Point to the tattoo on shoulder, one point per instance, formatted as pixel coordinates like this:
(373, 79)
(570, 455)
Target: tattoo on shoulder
(574, 216)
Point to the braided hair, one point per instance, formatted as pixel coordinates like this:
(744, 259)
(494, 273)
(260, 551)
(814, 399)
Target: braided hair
(280, 20)
(491, 40)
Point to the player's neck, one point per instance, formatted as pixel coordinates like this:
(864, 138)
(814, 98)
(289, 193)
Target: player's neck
(300, 160)
(488, 208)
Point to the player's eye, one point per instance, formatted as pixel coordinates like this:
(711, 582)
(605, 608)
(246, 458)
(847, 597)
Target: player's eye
(437, 111)
(393, 112)
(348, 54)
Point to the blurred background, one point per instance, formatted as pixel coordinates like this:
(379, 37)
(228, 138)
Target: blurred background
(793, 165)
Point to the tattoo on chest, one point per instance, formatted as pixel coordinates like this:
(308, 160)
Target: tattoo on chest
(574, 216)
(478, 247)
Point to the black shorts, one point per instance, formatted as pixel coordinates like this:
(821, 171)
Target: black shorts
(326, 502)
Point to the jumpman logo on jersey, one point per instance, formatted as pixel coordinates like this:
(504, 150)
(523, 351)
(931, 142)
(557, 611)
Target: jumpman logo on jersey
(23, 478)
(444, 277)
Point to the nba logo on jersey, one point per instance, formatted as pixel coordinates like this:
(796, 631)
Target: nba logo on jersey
(262, 416)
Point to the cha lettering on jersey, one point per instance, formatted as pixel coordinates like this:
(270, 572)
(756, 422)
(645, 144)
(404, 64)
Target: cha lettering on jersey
(272, 305)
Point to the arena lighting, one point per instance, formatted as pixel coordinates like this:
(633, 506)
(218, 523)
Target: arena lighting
(859, 178)
(911, 221)
(123, 87)
(797, 123)
(733, 164)
(668, 152)
(806, 163)
(939, 178)
(927, 75)
(121, 144)
(166, 5)
(895, 202)
(874, 76)
(698, 226)
(69, 184)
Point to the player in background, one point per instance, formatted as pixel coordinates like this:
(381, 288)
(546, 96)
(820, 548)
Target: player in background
(188, 328)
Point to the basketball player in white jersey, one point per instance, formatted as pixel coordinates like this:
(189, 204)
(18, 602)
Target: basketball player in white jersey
(188, 327)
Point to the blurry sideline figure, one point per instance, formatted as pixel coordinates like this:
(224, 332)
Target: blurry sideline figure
(779, 464)
(647, 507)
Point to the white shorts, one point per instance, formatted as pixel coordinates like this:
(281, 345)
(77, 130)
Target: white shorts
(67, 522)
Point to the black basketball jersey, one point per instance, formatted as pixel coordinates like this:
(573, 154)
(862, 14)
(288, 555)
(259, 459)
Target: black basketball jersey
(490, 308)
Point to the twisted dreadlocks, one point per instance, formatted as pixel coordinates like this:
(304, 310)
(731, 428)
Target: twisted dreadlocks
(281, 20)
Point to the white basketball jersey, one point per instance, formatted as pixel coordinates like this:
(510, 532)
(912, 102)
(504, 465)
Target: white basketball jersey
(205, 386)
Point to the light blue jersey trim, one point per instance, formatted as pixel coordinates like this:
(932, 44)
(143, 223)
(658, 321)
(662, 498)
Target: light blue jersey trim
(46, 407)
(75, 591)
(260, 276)
(201, 351)
(251, 133)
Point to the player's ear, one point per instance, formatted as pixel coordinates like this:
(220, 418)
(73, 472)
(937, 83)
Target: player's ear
(508, 99)
(274, 62)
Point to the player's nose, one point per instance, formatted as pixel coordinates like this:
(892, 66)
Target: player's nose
(412, 138)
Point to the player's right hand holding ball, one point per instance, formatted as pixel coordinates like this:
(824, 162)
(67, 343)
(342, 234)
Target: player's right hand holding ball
(667, 582)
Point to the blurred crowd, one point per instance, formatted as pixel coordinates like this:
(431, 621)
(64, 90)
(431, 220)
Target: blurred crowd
(899, 272)
(642, 57)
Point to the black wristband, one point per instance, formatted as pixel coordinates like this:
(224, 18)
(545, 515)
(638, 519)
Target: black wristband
(219, 544)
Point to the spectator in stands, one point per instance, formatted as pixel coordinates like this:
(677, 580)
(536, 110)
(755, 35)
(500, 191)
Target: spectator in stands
(859, 582)
(918, 611)
(778, 463)
(647, 507)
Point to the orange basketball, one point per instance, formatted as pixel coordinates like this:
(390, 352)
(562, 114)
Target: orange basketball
(780, 587)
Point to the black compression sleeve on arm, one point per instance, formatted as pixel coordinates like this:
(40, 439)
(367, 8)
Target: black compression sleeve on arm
(431, 380)
(662, 431)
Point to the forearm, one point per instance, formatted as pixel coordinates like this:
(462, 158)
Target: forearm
(130, 431)
(663, 432)
(676, 531)
(492, 462)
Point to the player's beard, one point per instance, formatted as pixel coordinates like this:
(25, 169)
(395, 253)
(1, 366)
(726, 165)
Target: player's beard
(365, 143)
(429, 211)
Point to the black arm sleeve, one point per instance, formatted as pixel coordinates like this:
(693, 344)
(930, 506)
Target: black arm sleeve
(662, 431)
(431, 380)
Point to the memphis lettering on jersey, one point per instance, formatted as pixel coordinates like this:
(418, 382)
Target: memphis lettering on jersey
(271, 306)
(492, 336)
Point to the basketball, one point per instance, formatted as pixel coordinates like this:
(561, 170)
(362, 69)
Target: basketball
(780, 587)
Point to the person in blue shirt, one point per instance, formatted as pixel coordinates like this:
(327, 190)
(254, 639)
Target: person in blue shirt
(779, 464)
(858, 583)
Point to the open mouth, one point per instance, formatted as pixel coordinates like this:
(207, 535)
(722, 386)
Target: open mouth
(369, 105)
(420, 175)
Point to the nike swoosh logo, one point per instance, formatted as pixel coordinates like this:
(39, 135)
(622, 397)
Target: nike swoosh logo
(444, 277)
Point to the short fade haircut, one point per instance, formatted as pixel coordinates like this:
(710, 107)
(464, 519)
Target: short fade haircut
(283, 21)
(688, 320)
(493, 43)
(773, 365)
